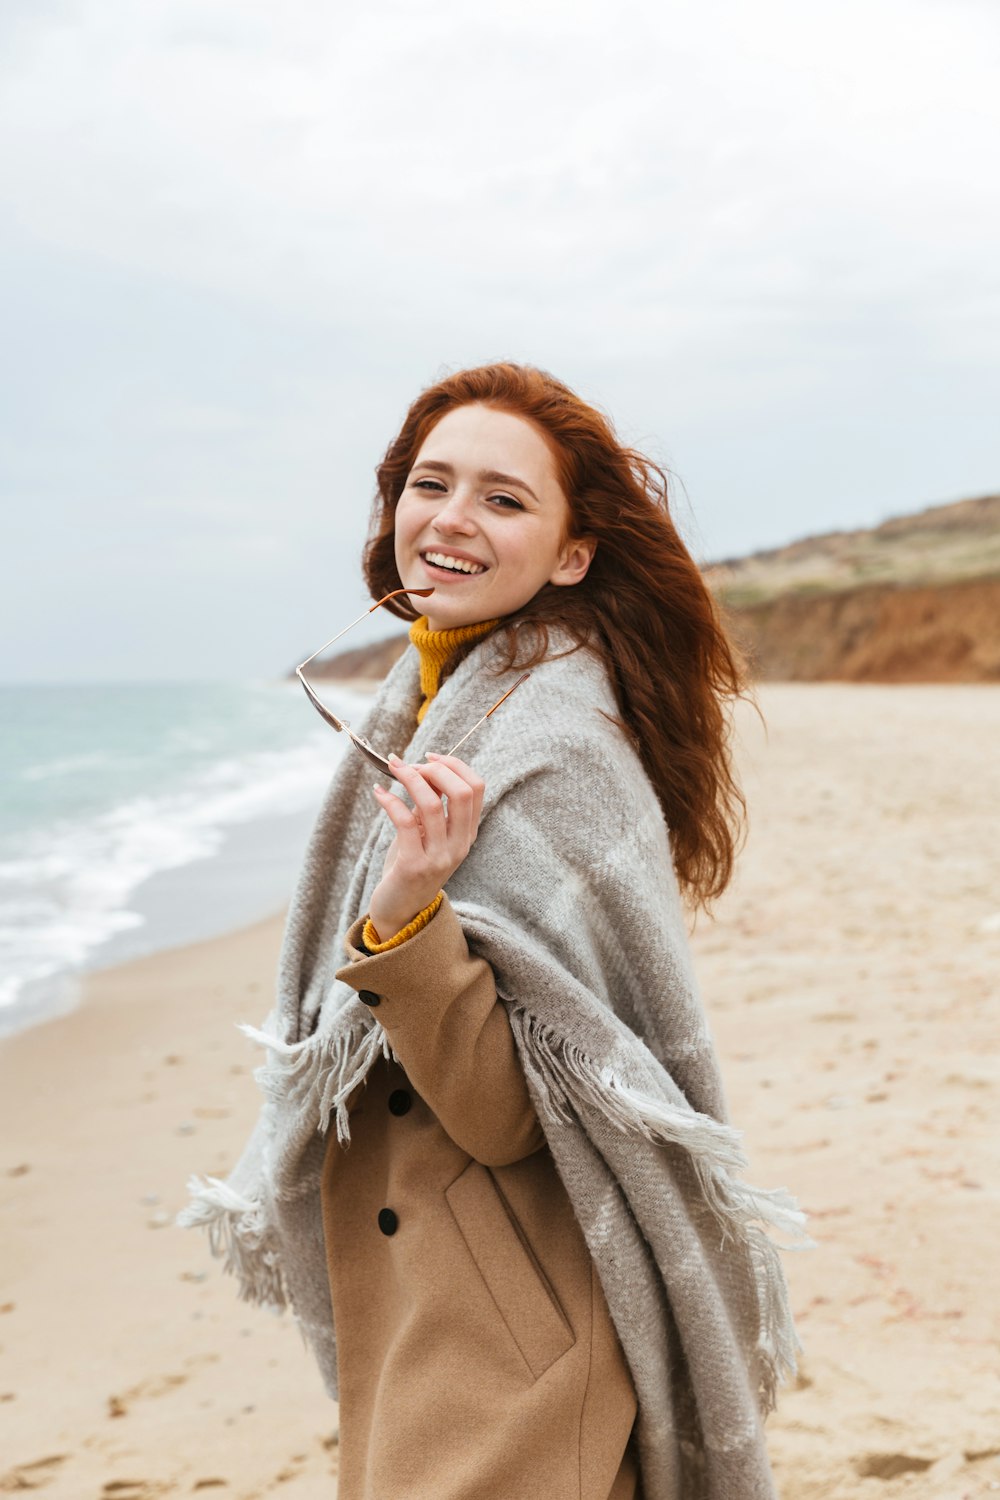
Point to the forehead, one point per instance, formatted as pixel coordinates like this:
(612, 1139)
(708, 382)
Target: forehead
(479, 437)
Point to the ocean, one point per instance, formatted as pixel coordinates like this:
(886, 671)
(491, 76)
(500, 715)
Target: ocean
(134, 817)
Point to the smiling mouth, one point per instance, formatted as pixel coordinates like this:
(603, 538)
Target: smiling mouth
(458, 565)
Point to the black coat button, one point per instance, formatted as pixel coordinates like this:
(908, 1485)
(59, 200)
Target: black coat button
(387, 1221)
(369, 997)
(399, 1101)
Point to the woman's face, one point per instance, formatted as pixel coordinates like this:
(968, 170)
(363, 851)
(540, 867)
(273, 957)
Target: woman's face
(483, 519)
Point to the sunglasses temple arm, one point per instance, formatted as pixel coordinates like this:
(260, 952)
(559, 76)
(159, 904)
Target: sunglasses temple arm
(337, 637)
(523, 678)
(423, 593)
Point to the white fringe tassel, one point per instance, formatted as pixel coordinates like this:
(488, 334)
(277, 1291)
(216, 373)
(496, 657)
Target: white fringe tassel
(327, 1068)
(571, 1078)
(236, 1232)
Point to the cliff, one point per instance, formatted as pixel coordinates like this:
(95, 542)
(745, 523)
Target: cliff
(948, 632)
(914, 599)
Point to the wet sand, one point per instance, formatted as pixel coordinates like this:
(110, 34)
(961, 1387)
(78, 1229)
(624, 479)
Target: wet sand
(852, 977)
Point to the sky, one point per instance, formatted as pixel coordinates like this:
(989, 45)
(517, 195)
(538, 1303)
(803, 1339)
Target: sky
(238, 239)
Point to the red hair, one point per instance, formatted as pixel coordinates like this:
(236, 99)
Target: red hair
(643, 607)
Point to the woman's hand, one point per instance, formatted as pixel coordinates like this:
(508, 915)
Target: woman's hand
(431, 842)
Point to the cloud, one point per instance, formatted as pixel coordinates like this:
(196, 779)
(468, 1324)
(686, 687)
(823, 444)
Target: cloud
(774, 151)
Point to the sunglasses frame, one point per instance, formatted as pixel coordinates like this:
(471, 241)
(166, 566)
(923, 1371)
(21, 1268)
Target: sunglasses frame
(342, 725)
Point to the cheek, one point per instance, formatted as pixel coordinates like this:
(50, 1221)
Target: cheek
(403, 525)
(532, 552)
(399, 543)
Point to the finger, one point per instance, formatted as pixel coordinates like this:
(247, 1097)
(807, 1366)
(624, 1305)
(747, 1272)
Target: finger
(463, 818)
(403, 819)
(471, 777)
(461, 813)
(427, 802)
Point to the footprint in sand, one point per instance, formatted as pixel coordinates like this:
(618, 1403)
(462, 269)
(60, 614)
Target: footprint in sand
(890, 1465)
(157, 1385)
(134, 1489)
(32, 1476)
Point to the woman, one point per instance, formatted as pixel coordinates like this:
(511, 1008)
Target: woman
(544, 1275)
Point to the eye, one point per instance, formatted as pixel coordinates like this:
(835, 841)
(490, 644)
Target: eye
(508, 501)
(418, 482)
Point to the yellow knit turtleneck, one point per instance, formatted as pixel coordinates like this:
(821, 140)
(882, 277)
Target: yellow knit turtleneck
(436, 648)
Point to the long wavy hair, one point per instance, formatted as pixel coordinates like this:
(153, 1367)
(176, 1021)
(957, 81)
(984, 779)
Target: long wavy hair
(643, 607)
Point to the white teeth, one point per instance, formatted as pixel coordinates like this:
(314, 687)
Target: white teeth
(455, 564)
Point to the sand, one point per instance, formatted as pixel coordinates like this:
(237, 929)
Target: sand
(851, 975)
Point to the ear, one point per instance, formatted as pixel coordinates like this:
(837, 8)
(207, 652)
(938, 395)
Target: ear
(574, 560)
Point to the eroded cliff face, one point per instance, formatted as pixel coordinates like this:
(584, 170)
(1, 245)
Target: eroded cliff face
(947, 632)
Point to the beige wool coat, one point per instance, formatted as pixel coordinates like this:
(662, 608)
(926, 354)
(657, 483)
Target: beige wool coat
(477, 1359)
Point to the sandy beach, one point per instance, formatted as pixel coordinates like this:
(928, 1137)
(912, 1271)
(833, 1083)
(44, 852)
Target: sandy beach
(852, 976)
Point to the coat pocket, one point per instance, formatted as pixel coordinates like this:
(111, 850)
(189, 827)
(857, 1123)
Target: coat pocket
(512, 1274)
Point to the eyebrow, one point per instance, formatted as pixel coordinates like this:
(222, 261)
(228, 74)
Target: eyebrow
(492, 476)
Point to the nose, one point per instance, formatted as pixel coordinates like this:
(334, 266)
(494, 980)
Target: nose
(455, 515)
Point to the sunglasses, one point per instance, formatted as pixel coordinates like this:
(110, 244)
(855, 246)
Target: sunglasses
(356, 740)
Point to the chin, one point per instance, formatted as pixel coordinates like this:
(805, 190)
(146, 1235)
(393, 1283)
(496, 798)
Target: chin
(456, 618)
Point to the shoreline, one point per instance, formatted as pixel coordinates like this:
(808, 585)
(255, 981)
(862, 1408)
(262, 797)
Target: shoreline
(850, 978)
(122, 850)
(249, 878)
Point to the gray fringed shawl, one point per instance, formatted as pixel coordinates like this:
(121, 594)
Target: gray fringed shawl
(570, 894)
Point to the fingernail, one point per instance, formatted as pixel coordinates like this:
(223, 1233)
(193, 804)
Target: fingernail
(394, 758)
(431, 755)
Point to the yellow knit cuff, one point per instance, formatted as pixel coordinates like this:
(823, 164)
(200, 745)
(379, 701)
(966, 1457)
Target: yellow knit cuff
(370, 939)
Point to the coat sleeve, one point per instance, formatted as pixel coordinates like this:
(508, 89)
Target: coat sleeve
(438, 1005)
